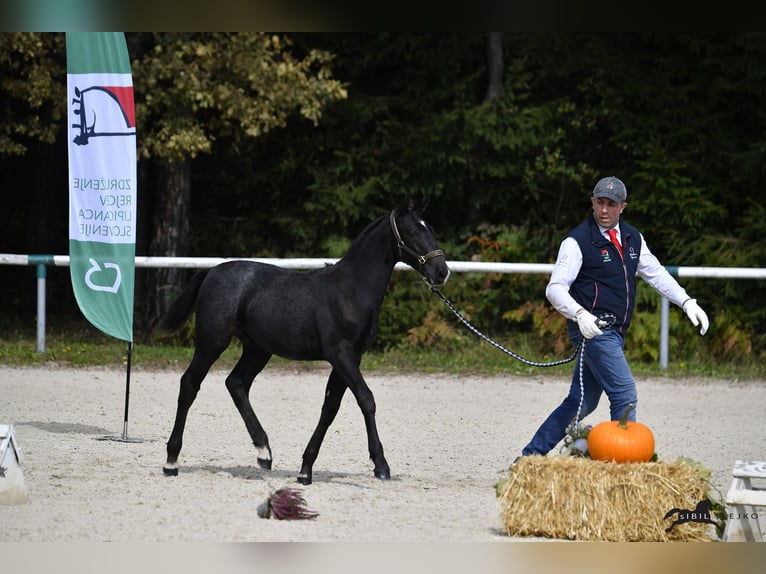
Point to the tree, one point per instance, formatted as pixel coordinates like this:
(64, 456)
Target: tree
(495, 64)
(194, 89)
(33, 112)
(33, 86)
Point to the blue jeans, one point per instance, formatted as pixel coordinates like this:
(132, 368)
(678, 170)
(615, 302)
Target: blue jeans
(605, 370)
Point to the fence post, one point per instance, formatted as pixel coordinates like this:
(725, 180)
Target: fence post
(664, 331)
(41, 273)
(41, 261)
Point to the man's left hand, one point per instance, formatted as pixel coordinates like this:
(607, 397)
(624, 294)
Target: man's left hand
(696, 315)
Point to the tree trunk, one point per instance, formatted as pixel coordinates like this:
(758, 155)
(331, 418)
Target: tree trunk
(169, 237)
(494, 64)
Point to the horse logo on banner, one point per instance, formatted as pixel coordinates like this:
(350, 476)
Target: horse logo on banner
(112, 106)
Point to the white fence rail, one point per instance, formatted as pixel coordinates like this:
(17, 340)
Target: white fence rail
(42, 261)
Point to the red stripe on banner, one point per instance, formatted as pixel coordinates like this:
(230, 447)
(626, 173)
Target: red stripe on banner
(124, 95)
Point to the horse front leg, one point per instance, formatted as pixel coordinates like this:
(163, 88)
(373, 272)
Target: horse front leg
(333, 396)
(366, 401)
(375, 447)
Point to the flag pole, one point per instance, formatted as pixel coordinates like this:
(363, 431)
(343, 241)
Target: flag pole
(129, 353)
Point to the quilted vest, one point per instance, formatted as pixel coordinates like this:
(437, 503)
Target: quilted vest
(607, 282)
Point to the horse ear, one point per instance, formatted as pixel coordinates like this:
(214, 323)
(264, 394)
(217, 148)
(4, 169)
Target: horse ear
(407, 204)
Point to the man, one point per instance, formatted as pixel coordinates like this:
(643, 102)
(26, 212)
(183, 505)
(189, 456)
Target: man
(593, 285)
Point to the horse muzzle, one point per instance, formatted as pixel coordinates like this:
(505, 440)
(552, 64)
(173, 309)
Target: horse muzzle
(437, 275)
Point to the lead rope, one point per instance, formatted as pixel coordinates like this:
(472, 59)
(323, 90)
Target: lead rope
(576, 421)
(605, 320)
(481, 335)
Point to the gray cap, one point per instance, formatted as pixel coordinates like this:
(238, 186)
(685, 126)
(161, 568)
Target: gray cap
(612, 188)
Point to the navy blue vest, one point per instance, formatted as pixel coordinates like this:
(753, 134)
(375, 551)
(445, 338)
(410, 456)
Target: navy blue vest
(607, 282)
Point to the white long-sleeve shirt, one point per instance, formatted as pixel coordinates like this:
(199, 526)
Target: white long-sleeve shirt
(569, 262)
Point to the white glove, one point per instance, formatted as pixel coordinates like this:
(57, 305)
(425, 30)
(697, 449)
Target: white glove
(587, 323)
(696, 315)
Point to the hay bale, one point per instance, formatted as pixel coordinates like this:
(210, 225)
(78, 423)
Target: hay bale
(584, 499)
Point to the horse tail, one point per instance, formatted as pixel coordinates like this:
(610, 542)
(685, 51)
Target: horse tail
(183, 306)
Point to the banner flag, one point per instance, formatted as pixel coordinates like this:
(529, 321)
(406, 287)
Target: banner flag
(102, 179)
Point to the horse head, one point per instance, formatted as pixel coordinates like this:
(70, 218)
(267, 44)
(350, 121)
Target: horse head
(417, 245)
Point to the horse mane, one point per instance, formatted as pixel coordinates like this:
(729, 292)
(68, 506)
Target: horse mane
(361, 240)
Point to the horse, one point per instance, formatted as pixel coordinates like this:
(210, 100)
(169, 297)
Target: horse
(701, 513)
(329, 314)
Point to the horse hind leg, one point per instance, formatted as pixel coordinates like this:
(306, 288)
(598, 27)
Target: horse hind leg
(238, 383)
(191, 381)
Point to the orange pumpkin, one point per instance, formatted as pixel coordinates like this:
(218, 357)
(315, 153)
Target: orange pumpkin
(621, 441)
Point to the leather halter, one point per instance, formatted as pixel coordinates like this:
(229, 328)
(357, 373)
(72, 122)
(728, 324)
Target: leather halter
(403, 247)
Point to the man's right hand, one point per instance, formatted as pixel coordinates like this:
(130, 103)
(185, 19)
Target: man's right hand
(587, 323)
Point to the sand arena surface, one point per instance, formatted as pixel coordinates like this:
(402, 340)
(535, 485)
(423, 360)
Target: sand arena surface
(448, 441)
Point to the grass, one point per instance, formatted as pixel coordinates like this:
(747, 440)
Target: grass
(81, 345)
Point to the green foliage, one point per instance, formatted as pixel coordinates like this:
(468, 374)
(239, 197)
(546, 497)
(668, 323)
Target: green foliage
(545, 325)
(679, 117)
(432, 330)
(32, 90)
(642, 342)
(496, 304)
(573, 108)
(193, 88)
(408, 309)
(731, 339)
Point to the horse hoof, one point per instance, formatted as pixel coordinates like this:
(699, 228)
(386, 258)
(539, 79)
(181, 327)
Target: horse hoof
(383, 474)
(264, 463)
(170, 471)
(304, 479)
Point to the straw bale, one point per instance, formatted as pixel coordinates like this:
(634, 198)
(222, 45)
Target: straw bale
(583, 499)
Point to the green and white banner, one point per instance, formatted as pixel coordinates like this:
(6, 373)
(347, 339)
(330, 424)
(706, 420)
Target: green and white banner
(102, 179)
